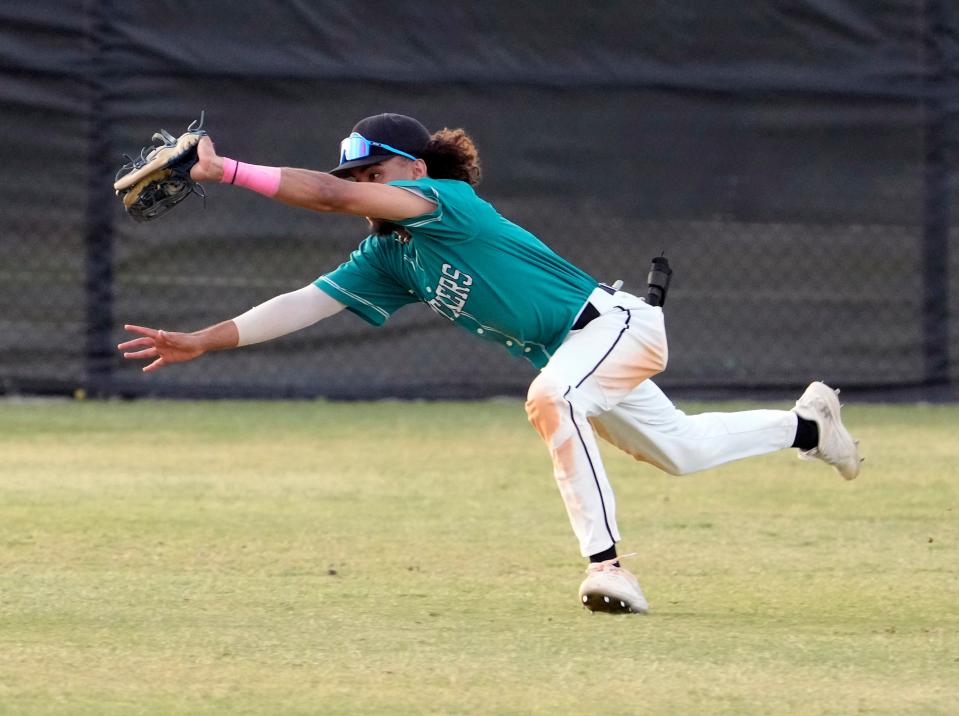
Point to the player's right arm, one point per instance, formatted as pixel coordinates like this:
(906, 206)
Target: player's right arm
(277, 317)
(310, 189)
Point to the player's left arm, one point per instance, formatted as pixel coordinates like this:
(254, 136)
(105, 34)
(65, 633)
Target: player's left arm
(310, 189)
(323, 192)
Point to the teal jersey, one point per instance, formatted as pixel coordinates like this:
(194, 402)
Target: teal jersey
(470, 265)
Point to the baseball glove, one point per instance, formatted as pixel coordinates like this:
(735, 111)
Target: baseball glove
(159, 179)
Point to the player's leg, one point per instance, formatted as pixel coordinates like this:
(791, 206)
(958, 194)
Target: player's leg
(560, 415)
(588, 374)
(648, 426)
(594, 368)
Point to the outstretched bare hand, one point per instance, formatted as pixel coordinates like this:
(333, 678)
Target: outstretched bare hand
(209, 166)
(163, 346)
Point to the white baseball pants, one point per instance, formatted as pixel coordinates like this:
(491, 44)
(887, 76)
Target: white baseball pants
(600, 377)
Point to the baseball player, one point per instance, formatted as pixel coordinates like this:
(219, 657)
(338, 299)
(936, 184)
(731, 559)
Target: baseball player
(433, 240)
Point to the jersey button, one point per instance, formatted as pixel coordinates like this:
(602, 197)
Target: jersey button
(509, 343)
(527, 349)
(479, 330)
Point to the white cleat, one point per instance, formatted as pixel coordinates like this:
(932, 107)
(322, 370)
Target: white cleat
(836, 446)
(608, 588)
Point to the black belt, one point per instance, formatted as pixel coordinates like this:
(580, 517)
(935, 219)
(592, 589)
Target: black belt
(590, 311)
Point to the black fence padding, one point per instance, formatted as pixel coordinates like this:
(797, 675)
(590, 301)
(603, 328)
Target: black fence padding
(796, 161)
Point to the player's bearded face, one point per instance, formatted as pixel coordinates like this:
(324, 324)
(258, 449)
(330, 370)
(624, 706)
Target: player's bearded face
(393, 169)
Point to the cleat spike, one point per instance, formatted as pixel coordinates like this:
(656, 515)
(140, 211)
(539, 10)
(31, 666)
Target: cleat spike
(611, 589)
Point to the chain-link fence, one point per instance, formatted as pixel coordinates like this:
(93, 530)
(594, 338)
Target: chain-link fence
(795, 161)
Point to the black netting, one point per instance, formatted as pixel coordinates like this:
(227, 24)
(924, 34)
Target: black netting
(795, 161)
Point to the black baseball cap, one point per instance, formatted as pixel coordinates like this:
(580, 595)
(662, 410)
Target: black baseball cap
(379, 137)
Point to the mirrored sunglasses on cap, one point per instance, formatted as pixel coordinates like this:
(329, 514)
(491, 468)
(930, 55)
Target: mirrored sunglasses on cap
(356, 146)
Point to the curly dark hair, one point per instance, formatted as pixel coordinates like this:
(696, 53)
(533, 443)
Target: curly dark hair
(451, 154)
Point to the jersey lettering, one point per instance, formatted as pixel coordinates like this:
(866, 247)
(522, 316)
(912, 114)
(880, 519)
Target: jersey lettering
(452, 292)
(456, 273)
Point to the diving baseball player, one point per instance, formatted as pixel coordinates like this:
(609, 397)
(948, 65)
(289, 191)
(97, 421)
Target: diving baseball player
(433, 240)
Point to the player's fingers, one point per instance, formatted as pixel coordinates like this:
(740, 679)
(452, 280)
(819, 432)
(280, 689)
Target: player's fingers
(146, 353)
(155, 365)
(135, 343)
(142, 330)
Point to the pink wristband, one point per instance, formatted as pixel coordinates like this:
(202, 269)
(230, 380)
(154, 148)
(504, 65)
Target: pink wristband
(263, 180)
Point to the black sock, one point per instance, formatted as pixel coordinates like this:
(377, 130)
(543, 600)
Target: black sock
(605, 555)
(807, 434)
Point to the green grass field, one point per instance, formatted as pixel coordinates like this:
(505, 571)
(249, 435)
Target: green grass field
(409, 558)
